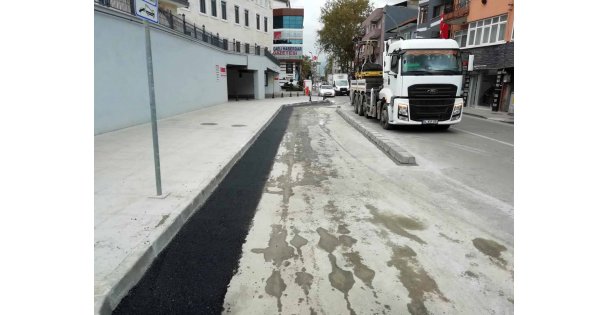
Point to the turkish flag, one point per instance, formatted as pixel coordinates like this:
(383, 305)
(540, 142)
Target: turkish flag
(277, 35)
(444, 29)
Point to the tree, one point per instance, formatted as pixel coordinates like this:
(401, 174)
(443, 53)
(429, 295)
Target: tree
(306, 67)
(341, 24)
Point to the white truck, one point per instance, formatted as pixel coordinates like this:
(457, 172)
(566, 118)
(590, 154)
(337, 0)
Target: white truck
(339, 81)
(420, 84)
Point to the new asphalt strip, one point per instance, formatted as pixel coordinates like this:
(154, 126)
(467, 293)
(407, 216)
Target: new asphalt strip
(192, 273)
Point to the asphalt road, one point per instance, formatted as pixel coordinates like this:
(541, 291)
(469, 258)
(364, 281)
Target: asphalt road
(328, 224)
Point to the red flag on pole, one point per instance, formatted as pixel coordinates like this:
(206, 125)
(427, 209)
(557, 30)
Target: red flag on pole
(444, 29)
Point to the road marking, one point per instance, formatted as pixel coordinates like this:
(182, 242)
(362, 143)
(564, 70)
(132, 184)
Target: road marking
(472, 133)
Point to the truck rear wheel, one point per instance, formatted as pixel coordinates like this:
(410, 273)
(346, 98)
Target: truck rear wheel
(362, 106)
(384, 120)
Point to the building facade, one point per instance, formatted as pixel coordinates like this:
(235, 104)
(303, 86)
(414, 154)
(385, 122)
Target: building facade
(484, 30)
(429, 17)
(377, 28)
(288, 41)
(244, 21)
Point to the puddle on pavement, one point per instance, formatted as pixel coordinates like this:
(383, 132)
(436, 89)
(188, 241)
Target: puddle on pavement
(342, 280)
(304, 280)
(327, 241)
(237, 125)
(278, 250)
(414, 278)
(362, 271)
(208, 124)
(275, 287)
(297, 241)
(490, 248)
(471, 274)
(342, 229)
(347, 241)
(397, 224)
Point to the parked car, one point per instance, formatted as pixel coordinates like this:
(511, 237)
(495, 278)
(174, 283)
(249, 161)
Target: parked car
(327, 90)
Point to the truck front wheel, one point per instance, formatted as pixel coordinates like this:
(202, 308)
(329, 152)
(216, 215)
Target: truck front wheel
(384, 119)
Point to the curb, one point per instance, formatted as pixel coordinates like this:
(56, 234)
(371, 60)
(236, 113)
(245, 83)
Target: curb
(117, 292)
(493, 119)
(398, 154)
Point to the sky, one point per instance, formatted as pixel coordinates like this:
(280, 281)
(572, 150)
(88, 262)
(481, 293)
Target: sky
(312, 14)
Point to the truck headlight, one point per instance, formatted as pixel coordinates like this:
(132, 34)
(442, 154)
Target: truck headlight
(402, 109)
(457, 109)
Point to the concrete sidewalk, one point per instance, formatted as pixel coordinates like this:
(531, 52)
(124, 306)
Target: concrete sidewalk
(197, 149)
(487, 113)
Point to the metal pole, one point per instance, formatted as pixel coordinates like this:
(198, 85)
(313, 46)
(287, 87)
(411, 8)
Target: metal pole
(159, 190)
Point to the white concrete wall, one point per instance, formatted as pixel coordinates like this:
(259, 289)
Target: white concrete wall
(184, 72)
(229, 28)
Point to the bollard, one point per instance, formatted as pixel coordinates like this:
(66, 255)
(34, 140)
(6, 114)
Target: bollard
(289, 93)
(281, 94)
(237, 97)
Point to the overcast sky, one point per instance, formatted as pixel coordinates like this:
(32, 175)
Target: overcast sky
(312, 13)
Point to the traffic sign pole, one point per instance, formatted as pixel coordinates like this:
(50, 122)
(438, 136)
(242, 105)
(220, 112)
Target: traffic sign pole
(159, 189)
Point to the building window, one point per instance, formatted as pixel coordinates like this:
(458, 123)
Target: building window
(265, 24)
(487, 32)
(461, 38)
(203, 6)
(257, 21)
(423, 14)
(236, 14)
(296, 22)
(437, 10)
(246, 17)
(214, 7)
(224, 15)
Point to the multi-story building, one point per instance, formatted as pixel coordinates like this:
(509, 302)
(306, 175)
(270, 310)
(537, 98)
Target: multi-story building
(244, 21)
(377, 26)
(429, 17)
(288, 40)
(484, 29)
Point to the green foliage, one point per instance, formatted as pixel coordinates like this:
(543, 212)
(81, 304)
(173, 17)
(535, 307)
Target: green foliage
(306, 67)
(341, 22)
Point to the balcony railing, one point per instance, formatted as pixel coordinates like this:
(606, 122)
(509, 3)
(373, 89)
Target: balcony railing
(458, 10)
(179, 24)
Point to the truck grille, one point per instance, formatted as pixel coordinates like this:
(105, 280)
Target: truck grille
(440, 109)
(431, 101)
(432, 91)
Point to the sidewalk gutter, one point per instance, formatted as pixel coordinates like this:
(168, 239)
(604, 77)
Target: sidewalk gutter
(488, 118)
(398, 154)
(118, 291)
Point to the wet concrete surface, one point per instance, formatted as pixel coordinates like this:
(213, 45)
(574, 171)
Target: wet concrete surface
(364, 241)
(332, 227)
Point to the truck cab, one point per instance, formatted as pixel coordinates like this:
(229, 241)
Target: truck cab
(422, 83)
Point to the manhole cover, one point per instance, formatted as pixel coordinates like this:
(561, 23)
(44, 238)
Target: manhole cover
(208, 124)
(239, 125)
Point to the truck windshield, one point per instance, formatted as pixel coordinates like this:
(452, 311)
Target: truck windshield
(431, 62)
(341, 82)
(326, 87)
